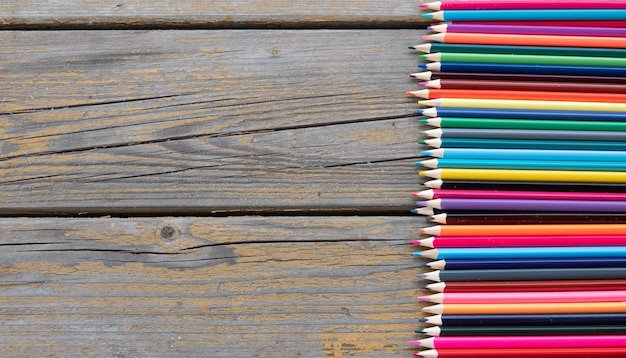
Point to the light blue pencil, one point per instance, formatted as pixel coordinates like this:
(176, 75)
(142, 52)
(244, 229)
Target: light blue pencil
(527, 154)
(523, 164)
(522, 252)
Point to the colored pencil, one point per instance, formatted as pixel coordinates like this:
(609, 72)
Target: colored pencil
(518, 95)
(615, 136)
(524, 230)
(524, 104)
(473, 218)
(534, 15)
(600, 341)
(431, 75)
(437, 331)
(573, 273)
(526, 195)
(594, 23)
(522, 5)
(526, 319)
(447, 57)
(529, 29)
(526, 308)
(523, 353)
(504, 143)
(523, 186)
(525, 154)
(521, 114)
(537, 124)
(528, 286)
(488, 68)
(526, 252)
(468, 264)
(525, 297)
(520, 241)
(526, 175)
(507, 85)
(524, 164)
(521, 50)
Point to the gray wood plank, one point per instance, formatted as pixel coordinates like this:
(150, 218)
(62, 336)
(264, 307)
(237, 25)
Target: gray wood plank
(63, 14)
(219, 287)
(132, 122)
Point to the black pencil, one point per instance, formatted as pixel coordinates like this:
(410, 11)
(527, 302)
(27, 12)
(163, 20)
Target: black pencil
(539, 330)
(527, 319)
(508, 218)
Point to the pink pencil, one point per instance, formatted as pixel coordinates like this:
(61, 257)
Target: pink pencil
(522, 341)
(537, 195)
(526, 297)
(441, 242)
(524, 4)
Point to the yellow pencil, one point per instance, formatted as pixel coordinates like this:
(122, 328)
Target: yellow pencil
(526, 175)
(521, 104)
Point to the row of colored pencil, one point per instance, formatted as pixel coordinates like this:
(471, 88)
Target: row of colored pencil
(526, 179)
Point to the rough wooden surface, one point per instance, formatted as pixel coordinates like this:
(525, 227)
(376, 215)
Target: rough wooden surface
(218, 287)
(182, 126)
(201, 122)
(187, 14)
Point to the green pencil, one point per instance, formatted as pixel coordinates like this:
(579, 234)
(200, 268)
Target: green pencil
(526, 59)
(498, 123)
(528, 50)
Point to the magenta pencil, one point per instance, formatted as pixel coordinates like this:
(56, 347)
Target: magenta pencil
(522, 341)
(526, 297)
(591, 23)
(498, 194)
(530, 30)
(441, 242)
(523, 5)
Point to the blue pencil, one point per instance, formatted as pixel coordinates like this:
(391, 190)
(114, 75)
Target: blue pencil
(520, 114)
(524, 69)
(524, 164)
(523, 252)
(517, 15)
(526, 154)
(472, 264)
(523, 144)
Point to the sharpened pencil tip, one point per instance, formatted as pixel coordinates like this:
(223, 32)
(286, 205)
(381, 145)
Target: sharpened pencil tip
(411, 47)
(428, 16)
(423, 6)
(422, 65)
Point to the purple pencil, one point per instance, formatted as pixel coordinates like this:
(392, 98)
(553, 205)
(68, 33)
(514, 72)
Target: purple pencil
(525, 205)
(530, 30)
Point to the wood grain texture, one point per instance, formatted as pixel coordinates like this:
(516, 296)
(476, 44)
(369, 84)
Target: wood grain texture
(219, 287)
(205, 122)
(67, 14)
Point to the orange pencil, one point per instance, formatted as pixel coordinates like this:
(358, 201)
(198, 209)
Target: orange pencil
(519, 95)
(527, 308)
(528, 40)
(525, 230)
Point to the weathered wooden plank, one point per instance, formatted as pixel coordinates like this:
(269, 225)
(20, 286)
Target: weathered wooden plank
(111, 122)
(208, 14)
(219, 287)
